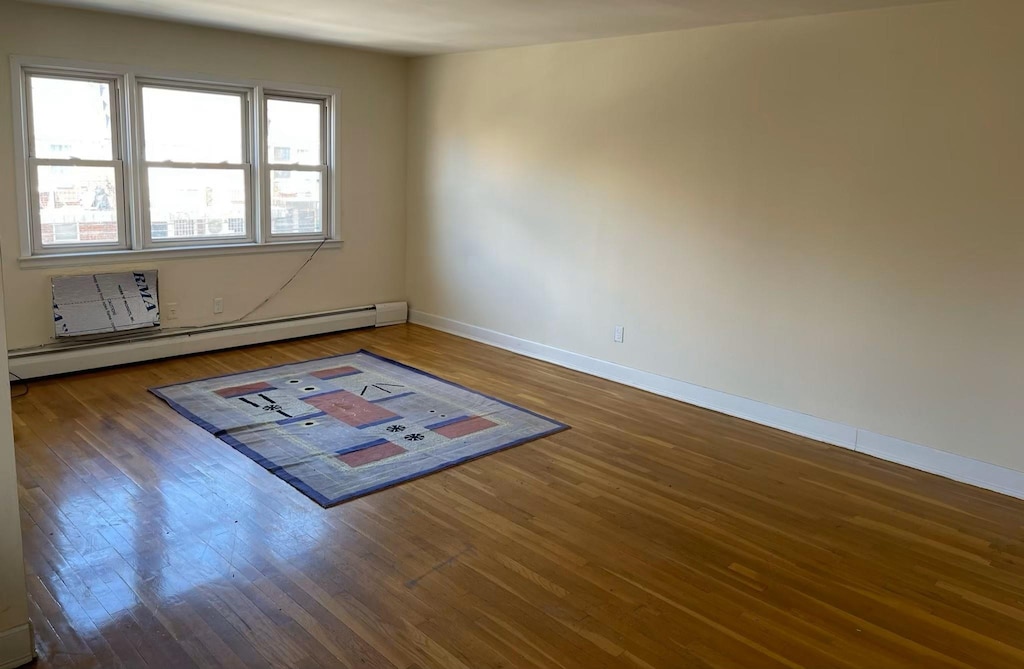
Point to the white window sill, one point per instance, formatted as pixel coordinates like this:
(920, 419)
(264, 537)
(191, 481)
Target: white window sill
(85, 259)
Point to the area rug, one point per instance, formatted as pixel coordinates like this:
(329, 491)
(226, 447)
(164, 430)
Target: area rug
(342, 427)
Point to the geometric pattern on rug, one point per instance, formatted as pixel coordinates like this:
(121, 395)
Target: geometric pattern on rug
(345, 426)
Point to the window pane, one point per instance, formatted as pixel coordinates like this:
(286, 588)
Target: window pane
(77, 205)
(196, 204)
(71, 119)
(293, 132)
(295, 206)
(192, 127)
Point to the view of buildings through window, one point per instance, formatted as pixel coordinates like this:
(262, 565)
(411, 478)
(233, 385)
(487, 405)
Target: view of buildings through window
(195, 165)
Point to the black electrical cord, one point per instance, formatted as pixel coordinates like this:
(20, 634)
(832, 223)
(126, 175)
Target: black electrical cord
(284, 285)
(261, 304)
(23, 382)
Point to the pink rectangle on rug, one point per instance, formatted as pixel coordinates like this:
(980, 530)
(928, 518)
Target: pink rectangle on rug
(248, 389)
(335, 372)
(464, 427)
(350, 409)
(371, 454)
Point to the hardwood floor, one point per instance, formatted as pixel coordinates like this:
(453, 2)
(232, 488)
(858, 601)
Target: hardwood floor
(651, 534)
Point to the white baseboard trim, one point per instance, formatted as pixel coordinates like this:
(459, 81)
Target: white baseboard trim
(943, 463)
(16, 646)
(31, 364)
(925, 458)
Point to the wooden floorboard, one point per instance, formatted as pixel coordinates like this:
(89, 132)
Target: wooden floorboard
(651, 534)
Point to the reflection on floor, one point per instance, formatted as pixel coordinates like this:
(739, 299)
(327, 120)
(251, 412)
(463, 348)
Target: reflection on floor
(652, 534)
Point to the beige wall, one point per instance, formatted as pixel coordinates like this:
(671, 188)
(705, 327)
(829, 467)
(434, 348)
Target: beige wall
(825, 214)
(14, 639)
(369, 268)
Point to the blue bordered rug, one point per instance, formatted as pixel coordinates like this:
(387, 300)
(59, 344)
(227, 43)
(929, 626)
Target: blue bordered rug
(344, 426)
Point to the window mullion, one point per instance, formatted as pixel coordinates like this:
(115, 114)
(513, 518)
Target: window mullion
(326, 177)
(196, 166)
(75, 162)
(261, 172)
(121, 150)
(296, 168)
(249, 150)
(136, 154)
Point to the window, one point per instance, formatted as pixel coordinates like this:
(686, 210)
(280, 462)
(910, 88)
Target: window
(197, 169)
(298, 172)
(121, 161)
(75, 168)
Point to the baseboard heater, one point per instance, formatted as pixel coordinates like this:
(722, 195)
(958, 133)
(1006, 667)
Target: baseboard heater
(60, 358)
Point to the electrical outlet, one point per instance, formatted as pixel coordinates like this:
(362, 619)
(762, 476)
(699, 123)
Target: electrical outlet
(218, 305)
(618, 334)
(170, 311)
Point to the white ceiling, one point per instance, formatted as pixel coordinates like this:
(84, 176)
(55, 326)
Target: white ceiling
(440, 26)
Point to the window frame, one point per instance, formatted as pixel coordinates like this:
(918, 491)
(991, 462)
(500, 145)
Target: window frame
(30, 164)
(247, 164)
(133, 206)
(324, 167)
